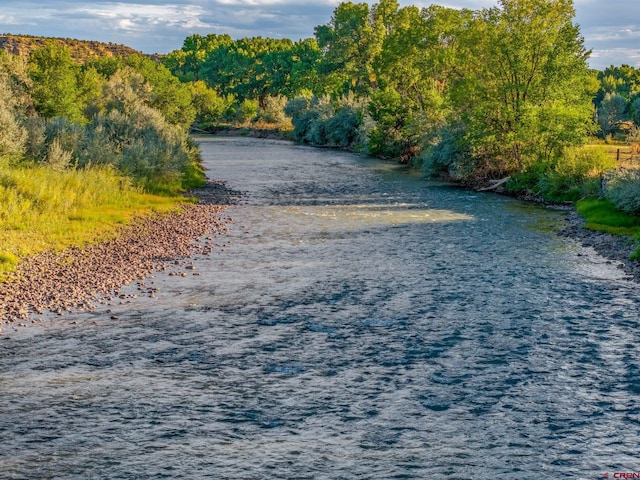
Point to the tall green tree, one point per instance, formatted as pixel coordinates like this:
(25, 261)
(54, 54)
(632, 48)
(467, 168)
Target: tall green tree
(350, 43)
(520, 84)
(306, 56)
(55, 90)
(250, 68)
(187, 62)
(416, 62)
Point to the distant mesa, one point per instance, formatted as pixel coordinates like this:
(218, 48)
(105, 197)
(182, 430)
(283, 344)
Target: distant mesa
(81, 50)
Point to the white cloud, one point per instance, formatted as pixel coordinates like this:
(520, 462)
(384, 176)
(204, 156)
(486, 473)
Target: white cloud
(602, 58)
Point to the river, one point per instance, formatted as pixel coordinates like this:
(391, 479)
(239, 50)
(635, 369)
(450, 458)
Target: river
(356, 322)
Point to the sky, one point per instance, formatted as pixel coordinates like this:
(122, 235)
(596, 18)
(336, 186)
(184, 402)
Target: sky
(611, 28)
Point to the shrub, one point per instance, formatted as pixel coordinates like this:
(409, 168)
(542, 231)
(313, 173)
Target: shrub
(35, 141)
(57, 157)
(447, 153)
(299, 109)
(211, 108)
(635, 111)
(611, 112)
(624, 191)
(13, 136)
(586, 161)
(159, 156)
(248, 111)
(273, 110)
(308, 117)
(575, 175)
(633, 136)
(67, 135)
(341, 130)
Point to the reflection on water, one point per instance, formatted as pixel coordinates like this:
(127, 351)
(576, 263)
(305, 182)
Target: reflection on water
(359, 322)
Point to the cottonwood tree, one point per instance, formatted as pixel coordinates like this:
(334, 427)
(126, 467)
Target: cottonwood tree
(521, 84)
(55, 89)
(350, 42)
(612, 111)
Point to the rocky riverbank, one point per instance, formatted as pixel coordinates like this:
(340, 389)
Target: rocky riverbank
(78, 279)
(612, 247)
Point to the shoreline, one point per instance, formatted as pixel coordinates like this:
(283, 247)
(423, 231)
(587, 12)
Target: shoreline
(80, 279)
(77, 279)
(614, 248)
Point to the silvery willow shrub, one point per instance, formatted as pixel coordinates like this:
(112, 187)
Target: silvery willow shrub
(273, 110)
(623, 189)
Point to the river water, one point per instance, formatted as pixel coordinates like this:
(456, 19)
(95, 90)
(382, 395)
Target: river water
(359, 323)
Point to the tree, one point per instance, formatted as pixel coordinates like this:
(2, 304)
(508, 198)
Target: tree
(520, 63)
(350, 43)
(168, 95)
(187, 62)
(211, 108)
(306, 56)
(55, 89)
(611, 112)
(417, 60)
(250, 68)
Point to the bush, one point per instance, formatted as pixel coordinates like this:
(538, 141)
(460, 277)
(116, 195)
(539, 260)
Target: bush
(273, 110)
(447, 154)
(35, 142)
(576, 175)
(13, 136)
(247, 111)
(623, 190)
(308, 117)
(68, 136)
(635, 111)
(341, 130)
(159, 156)
(611, 112)
(57, 157)
(586, 161)
(211, 108)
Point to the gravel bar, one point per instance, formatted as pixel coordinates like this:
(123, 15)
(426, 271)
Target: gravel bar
(78, 278)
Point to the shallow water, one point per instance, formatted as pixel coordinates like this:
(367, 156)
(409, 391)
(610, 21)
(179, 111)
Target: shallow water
(359, 322)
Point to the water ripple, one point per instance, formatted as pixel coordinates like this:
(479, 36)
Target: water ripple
(343, 334)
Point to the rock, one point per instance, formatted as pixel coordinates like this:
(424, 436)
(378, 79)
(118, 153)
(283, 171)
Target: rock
(73, 278)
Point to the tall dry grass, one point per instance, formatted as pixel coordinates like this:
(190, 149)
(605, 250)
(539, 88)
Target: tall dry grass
(42, 208)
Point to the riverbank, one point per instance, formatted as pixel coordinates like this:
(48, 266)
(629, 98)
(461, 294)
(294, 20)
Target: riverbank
(612, 247)
(78, 279)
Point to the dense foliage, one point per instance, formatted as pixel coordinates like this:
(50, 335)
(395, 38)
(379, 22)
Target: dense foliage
(81, 144)
(473, 95)
(129, 113)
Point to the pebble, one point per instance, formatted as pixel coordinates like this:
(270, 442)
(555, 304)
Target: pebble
(58, 281)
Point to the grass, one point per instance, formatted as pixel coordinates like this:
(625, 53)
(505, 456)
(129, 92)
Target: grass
(43, 209)
(627, 159)
(602, 216)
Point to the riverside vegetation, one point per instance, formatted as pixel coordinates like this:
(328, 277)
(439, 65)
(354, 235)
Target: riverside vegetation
(474, 96)
(498, 96)
(87, 148)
